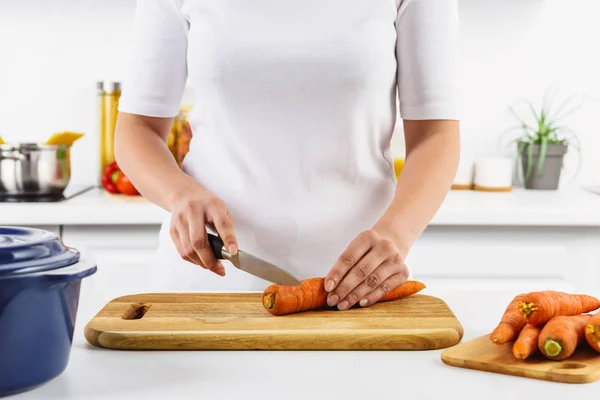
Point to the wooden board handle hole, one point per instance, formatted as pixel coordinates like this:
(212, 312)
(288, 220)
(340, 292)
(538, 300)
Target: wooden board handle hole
(570, 365)
(136, 311)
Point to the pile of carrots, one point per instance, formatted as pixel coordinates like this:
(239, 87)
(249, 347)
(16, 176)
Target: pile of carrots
(551, 322)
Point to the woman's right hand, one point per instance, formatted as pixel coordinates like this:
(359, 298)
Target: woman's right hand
(191, 213)
(192, 207)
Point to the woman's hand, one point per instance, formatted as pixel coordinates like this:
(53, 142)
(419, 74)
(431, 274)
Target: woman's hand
(190, 214)
(157, 176)
(370, 267)
(373, 264)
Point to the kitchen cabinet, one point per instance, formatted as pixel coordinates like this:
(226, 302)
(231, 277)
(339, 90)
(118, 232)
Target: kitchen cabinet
(506, 259)
(123, 255)
(451, 259)
(482, 243)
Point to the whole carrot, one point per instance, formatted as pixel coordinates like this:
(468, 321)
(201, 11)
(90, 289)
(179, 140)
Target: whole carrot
(511, 323)
(527, 342)
(540, 307)
(311, 295)
(560, 337)
(592, 332)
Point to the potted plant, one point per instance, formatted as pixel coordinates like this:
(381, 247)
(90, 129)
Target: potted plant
(543, 143)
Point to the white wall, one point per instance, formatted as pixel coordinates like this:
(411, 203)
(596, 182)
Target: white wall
(514, 49)
(53, 51)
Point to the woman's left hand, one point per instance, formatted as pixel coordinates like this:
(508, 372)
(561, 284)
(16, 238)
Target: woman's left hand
(371, 266)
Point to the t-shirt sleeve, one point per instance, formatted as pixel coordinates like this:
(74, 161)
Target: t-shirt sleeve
(426, 52)
(157, 70)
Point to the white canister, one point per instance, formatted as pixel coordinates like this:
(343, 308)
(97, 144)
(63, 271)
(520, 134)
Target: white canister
(494, 174)
(464, 175)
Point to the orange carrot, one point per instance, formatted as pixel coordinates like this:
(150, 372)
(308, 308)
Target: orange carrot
(540, 307)
(592, 332)
(311, 295)
(527, 342)
(560, 337)
(511, 323)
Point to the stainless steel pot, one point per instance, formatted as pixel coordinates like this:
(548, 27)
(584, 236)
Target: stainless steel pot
(32, 169)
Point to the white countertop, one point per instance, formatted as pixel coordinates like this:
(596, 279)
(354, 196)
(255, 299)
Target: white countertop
(94, 207)
(566, 207)
(95, 373)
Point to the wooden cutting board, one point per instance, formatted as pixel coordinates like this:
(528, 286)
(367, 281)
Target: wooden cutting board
(483, 355)
(232, 321)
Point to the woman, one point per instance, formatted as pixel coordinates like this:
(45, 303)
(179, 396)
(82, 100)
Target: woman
(294, 112)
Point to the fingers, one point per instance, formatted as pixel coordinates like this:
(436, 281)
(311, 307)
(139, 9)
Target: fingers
(366, 269)
(190, 218)
(369, 285)
(223, 225)
(180, 236)
(175, 238)
(201, 246)
(192, 244)
(386, 286)
(348, 259)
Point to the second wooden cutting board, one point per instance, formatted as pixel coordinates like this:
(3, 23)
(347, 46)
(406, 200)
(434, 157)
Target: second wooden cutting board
(214, 321)
(483, 355)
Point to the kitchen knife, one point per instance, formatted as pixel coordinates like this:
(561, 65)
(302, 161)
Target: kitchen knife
(252, 265)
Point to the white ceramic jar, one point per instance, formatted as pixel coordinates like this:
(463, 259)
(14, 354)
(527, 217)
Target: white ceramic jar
(464, 175)
(493, 174)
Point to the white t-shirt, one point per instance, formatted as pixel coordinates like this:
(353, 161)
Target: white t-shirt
(294, 110)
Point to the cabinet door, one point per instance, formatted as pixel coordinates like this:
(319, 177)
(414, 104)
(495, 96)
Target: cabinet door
(123, 255)
(497, 263)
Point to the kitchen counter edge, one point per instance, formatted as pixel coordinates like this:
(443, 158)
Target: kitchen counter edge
(573, 207)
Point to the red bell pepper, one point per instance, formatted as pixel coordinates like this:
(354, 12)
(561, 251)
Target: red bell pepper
(115, 181)
(109, 178)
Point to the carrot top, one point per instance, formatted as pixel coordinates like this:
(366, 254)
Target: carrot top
(560, 337)
(510, 324)
(540, 307)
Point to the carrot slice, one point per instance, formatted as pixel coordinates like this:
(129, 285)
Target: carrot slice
(511, 323)
(311, 295)
(592, 332)
(540, 307)
(561, 336)
(527, 342)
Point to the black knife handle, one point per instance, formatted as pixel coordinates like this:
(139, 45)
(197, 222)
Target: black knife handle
(216, 244)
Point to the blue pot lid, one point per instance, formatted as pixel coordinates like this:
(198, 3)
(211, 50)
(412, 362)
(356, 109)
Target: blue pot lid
(28, 250)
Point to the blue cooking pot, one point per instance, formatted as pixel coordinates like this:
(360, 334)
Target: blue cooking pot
(40, 281)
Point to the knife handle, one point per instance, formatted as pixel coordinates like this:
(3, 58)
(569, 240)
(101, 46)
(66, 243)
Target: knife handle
(216, 244)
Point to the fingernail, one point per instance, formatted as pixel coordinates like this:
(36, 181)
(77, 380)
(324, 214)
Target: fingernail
(233, 249)
(332, 301)
(364, 302)
(329, 286)
(343, 305)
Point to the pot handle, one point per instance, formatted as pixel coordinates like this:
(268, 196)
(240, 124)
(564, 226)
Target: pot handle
(79, 270)
(14, 155)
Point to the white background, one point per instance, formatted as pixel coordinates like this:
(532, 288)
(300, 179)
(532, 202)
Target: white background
(53, 51)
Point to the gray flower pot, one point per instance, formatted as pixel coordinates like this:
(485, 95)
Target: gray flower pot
(549, 176)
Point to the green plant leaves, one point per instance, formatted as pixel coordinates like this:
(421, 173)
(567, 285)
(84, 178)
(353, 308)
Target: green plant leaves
(544, 131)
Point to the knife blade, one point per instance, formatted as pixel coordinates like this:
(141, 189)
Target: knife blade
(250, 264)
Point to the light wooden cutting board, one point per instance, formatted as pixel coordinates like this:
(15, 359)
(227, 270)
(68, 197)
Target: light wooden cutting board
(215, 321)
(483, 355)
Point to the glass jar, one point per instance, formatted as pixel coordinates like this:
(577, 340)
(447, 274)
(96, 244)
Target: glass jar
(109, 95)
